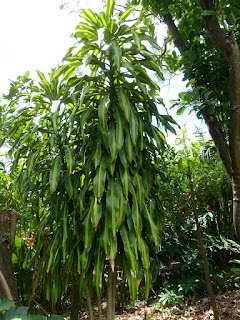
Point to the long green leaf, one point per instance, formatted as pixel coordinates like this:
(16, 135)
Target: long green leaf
(31, 163)
(112, 142)
(69, 158)
(128, 147)
(119, 130)
(144, 251)
(153, 228)
(91, 17)
(136, 215)
(122, 209)
(103, 114)
(99, 180)
(117, 54)
(125, 179)
(97, 155)
(96, 213)
(112, 204)
(55, 173)
(136, 39)
(88, 229)
(65, 231)
(127, 247)
(109, 9)
(124, 102)
(68, 184)
(133, 126)
(125, 14)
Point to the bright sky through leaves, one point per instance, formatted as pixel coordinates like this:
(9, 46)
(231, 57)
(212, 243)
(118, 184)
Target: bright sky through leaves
(35, 35)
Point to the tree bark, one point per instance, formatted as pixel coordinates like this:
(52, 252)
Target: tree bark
(203, 252)
(74, 300)
(8, 283)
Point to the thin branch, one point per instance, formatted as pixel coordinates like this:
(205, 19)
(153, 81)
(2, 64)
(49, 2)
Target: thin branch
(5, 287)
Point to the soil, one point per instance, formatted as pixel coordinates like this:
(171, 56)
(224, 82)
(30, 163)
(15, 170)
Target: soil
(200, 309)
(228, 305)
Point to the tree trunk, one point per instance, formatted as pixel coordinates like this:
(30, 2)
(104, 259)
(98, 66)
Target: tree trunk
(8, 283)
(74, 300)
(203, 252)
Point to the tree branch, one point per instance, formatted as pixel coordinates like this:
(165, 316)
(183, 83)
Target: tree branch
(177, 39)
(211, 121)
(5, 287)
(219, 141)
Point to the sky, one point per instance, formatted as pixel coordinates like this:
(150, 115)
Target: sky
(36, 35)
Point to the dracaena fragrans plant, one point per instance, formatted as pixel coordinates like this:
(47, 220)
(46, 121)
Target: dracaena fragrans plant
(94, 156)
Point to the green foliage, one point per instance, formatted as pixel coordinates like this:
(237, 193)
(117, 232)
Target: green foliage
(87, 150)
(15, 312)
(169, 296)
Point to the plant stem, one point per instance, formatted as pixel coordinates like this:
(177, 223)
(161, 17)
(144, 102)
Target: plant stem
(5, 287)
(203, 252)
(99, 302)
(89, 303)
(111, 291)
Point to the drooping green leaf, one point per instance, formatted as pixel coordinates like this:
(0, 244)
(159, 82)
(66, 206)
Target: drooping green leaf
(136, 39)
(68, 184)
(103, 114)
(112, 204)
(31, 163)
(99, 179)
(98, 155)
(117, 54)
(124, 102)
(112, 142)
(55, 173)
(96, 212)
(119, 130)
(69, 158)
(128, 147)
(133, 124)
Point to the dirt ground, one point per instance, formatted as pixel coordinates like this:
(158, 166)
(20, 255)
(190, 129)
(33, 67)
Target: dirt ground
(228, 305)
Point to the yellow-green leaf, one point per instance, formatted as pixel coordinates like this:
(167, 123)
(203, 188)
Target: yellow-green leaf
(124, 102)
(136, 39)
(91, 17)
(117, 54)
(125, 14)
(109, 9)
(31, 163)
(96, 213)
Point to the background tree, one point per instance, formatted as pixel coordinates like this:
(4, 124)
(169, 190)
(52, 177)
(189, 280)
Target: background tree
(206, 34)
